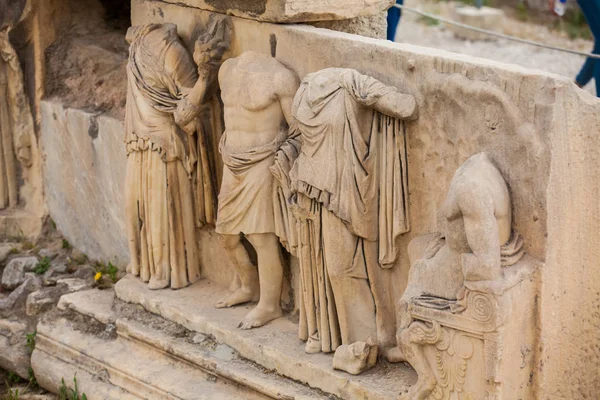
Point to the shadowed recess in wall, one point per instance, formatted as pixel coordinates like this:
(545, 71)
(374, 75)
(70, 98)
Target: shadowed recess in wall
(250, 6)
(10, 12)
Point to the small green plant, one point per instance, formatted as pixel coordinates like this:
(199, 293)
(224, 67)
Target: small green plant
(32, 381)
(43, 266)
(12, 395)
(28, 245)
(522, 11)
(52, 224)
(428, 21)
(485, 3)
(575, 25)
(11, 380)
(14, 250)
(30, 340)
(66, 244)
(111, 270)
(79, 258)
(67, 393)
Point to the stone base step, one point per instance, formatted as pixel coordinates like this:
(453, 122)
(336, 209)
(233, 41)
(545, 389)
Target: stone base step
(125, 354)
(275, 346)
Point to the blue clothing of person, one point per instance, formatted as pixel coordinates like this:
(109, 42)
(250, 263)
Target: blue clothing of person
(591, 68)
(393, 19)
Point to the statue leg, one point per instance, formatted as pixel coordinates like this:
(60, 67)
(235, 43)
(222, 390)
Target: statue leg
(270, 271)
(396, 354)
(380, 280)
(248, 289)
(132, 190)
(345, 260)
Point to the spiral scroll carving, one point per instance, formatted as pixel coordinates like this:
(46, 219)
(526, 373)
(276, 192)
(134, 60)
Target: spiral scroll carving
(480, 307)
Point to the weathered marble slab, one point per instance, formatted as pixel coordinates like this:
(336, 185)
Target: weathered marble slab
(84, 175)
(540, 130)
(292, 10)
(274, 346)
(143, 356)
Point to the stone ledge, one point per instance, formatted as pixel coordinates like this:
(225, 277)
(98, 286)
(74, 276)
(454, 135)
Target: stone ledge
(148, 357)
(93, 303)
(291, 10)
(20, 223)
(275, 346)
(126, 369)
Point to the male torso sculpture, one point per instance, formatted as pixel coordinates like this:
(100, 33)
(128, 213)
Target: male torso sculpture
(476, 244)
(477, 218)
(257, 93)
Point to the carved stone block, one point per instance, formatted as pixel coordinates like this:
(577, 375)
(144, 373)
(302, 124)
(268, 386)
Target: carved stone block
(481, 350)
(292, 10)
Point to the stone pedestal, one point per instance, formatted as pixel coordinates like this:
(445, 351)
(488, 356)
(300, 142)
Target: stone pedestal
(486, 335)
(487, 18)
(124, 351)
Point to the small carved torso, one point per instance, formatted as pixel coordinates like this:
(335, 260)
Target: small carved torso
(477, 179)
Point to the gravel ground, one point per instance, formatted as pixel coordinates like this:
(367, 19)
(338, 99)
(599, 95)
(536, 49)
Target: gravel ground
(413, 30)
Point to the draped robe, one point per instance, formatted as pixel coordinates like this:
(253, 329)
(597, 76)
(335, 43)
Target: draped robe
(163, 205)
(350, 203)
(16, 123)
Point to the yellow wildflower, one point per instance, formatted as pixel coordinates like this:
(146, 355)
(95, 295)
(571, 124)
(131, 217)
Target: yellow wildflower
(98, 276)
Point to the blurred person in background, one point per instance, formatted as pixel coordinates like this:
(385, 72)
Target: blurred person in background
(591, 67)
(393, 19)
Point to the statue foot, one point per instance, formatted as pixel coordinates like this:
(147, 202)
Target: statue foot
(156, 284)
(312, 346)
(259, 316)
(357, 357)
(240, 296)
(394, 355)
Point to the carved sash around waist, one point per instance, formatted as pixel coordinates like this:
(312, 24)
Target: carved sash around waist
(241, 161)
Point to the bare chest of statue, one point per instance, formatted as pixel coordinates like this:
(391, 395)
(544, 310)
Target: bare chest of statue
(253, 115)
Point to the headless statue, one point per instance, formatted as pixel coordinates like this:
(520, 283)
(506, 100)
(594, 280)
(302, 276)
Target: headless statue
(343, 181)
(167, 87)
(257, 92)
(477, 218)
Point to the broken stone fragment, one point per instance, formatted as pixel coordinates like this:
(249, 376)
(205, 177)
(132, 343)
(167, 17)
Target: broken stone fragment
(199, 338)
(84, 272)
(76, 284)
(44, 299)
(6, 249)
(356, 358)
(17, 296)
(49, 253)
(11, 329)
(13, 354)
(55, 273)
(14, 273)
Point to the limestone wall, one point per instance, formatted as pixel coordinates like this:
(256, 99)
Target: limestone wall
(84, 175)
(540, 130)
(570, 294)
(467, 106)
